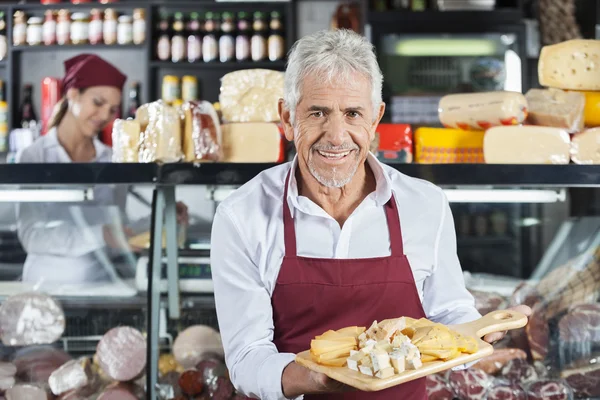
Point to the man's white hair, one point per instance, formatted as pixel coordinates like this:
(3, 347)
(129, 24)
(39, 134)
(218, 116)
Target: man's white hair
(331, 55)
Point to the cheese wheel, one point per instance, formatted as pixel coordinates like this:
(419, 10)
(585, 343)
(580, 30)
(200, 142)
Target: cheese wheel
(574, 64)
(585, 147)
(252, 142)
(448, 146)
(557, 108)
(477, 111)
(526, 145)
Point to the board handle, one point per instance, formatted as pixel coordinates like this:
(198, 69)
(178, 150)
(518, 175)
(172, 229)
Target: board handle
(496, 321)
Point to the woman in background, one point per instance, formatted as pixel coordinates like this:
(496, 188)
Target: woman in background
(71, 243)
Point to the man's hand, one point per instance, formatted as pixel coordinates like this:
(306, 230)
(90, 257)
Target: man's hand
(494, 337)
(298, 380)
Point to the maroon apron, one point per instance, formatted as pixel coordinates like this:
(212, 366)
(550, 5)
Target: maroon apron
(313, 295)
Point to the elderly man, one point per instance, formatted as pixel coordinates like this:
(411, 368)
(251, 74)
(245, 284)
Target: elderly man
(332, 239)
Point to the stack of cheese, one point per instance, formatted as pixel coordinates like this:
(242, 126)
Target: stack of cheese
(248, 102)
(390, 347)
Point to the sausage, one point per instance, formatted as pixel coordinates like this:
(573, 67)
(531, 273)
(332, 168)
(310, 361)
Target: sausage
(494, 363)
(36, 364)
(191, 382)
(480, 111)
(121, 353)
(31, 318)
(196, 344)
(122, 391)
(72, 375)
(26, 392)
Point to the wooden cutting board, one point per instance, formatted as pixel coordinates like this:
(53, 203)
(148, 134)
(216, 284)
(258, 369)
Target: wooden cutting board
(496, 321)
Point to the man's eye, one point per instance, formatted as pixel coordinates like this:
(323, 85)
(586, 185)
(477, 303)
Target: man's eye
(317, 114)
(353, 114)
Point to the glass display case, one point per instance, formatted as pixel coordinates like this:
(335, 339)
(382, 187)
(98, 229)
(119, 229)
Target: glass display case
(525, 234)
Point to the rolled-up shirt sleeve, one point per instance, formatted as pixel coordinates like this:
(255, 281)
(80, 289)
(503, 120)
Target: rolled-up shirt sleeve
(245, 313)
(445, 297)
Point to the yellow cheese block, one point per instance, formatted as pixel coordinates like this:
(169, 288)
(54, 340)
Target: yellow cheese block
(574, 64)
(592, 109)
(448, 146)
(251, 142)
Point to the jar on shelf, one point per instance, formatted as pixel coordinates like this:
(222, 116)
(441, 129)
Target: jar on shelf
(49, 28)
(34, 31)
(96, 25)
(45, 2)
(63, 27)
(108, 1)
(79, 28)
(171, 90)
(109, 31)
(189, 88)
(125, 30)
(139, 26)
(3, 37)
(19, 28)
(80, 1)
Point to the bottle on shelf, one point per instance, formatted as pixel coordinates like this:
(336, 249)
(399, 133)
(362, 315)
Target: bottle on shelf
(80, 27)
(178, 42)
(49, 28)
(27, 115)
(96, 27)
(226, 41)
(163, 47)
(63, 27)
(171, 90)
(258, 43)
(125, 30)
(3, 37)
(34, 31)
(139, 26)
(276, 43)
(210, 47)
(242, 40)
(110, 26)
(134, 99)
(19, 28)
(3, 119)
(189, 88)
(194, 39)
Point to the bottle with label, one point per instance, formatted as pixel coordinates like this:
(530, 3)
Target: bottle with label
(189, 88)
(110, 26)
(3, 119)
(34, 31)
(194, 39)
(27, 115)
(80, 31)
(171, 91)
(163, 48)
(210, 47)
(178, 42)
(134, 99)
(139, 26)
(19, 29)
(276, 43)
(49, 28)
(96, 26)
(226, 41)
(242, 40)
(125, 30)
(63, 27)
(3, 37)
(418, 5)
(258, 43)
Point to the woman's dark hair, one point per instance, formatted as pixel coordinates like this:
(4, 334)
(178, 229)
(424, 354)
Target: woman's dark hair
(59, 111)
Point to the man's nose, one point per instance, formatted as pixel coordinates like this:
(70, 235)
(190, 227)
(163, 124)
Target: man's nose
(335, 130)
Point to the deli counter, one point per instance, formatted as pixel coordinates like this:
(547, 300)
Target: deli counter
(526, 234)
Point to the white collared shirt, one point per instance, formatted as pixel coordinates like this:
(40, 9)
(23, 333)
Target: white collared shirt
(247, 250)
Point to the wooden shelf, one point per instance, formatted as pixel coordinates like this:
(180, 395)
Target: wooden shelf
(89, 47)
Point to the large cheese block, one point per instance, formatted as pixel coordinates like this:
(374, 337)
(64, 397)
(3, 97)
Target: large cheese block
(201, 132)
(477, 111)
(251, 95)
(556, 108)
(252, 142)
(585, 147)
(448, 146)
(574, 64)
(591, 113)
(161, 138)
(126, 140)
(526, 145)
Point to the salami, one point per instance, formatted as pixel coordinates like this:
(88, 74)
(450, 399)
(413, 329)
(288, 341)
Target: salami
(31, 318)
(196, 344)
(584, 379)
(72, 375)
(520, 371)
(438, 388)
(191, 382)
(494, 363)
(470, 383)
(505, 390)
(487, 302)
(121, 353)
(549, 390)
(36, 364)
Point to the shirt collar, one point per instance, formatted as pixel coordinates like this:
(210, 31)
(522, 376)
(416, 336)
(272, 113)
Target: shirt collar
(52, 141)
(383, 185)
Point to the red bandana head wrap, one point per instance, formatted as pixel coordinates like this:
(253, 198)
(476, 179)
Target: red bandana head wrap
(86, 70)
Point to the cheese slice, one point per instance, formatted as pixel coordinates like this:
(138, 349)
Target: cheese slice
(574, 64)
(585, 147)
(385, 373)
(353, 331)
(526, 145)
(557, 108)
(252, 142)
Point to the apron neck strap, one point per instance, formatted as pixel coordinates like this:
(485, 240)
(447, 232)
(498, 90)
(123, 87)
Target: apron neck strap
(391, 214)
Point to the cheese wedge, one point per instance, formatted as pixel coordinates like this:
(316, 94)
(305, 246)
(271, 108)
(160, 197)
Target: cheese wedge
(354, 331)
(319, 347)
(337, 362)
(332, 355)
(427, 358)
(573, 64)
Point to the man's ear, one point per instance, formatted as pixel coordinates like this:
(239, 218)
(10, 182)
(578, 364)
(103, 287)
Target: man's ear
(286, 121)
(377, 119)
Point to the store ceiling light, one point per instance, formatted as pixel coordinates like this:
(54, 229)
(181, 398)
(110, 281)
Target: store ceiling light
(47, 195)
(446, 47)
(504, 196)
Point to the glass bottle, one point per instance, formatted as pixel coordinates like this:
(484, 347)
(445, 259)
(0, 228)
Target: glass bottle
(96, 27)
(34, 31)
(19, 29)
(163, 48)
(49, 28)
(242, 40)
(194, 39)
(210, 47)
(276, 44)
(178, 42)
(226, 41)
(3, 37)
(110, 26)
(258, 43)
(125, 30)
(79, 28)
(139, 26)
(27, 115)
